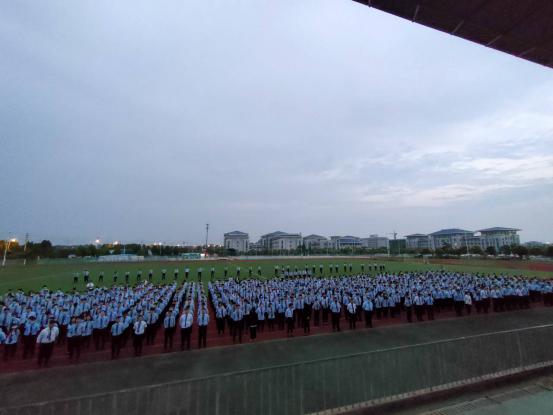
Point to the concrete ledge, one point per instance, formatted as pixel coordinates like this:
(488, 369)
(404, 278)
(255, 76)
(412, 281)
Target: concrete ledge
(421, 396)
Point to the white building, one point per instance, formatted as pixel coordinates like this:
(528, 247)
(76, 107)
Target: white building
(374, 242)
(454, 237)
(498, 236)
(239, 241)
(281, 241)
(315, 241)
(348, 241)
(417, 241)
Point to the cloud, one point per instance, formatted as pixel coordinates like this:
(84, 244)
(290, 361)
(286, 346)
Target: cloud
(436, 196)
(528, 170)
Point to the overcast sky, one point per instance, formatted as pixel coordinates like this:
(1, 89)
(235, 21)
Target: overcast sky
(143, 120)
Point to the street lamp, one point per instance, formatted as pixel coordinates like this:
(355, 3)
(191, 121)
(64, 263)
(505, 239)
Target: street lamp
(7, 243)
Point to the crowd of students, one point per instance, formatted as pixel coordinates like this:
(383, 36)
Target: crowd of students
(89, 320)
(92, 319)
(300, 302)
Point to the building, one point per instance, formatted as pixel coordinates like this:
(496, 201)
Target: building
(341, 242)
(417, 241)
(281, 241)
(498, 236)
(397, 246)
(315, 242)
(534, 244)
(453, 237)
(255, 246)
(239, 241)
(374, 242)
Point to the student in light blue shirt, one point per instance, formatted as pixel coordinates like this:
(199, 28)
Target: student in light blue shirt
(169, 325)
(10, 344)
(31, 328)
(203, 321)
(117, 329)
(74, 332)
(368, 311)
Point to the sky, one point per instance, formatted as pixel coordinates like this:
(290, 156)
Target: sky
(142, 121)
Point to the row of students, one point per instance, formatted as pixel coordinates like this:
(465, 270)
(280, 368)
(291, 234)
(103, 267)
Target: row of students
(284, 271)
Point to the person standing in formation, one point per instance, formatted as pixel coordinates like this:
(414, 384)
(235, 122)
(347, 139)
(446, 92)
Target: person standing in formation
(139, 328)
(203, 321)
(185, 323)
(169, 325)
(46, 340)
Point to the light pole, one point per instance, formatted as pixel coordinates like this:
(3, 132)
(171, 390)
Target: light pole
(7, 246)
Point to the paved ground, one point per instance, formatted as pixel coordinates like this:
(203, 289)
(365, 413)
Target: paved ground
(529, 397)
(105, 376)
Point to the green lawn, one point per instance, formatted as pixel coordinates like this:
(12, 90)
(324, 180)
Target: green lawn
(60, 275)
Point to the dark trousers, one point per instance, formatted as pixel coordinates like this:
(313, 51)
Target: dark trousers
(307, 324)
(220, 323)
(316, 317)
(74, 346)
(352, 319)
(202, 336)
(335, 321)
(325, 315)
(280, 320)
(63, 334)
(138, 340)
(151, 333)
(44, 353)
(409, 313)
(99, 338)
(299, 317)
(459, 307)
(253, 332)
(85, 342)
(29, 346)
(115, 346)
(430, 311)
(9, 350)
(290, 325)
(237, 327)
(185, 337)
(368, 318)
(168, 337)
(419, 309)
(271, 324)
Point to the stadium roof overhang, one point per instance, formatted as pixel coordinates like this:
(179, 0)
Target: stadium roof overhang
(523, 28)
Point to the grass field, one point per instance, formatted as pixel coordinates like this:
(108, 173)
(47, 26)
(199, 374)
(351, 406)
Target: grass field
(32, 277)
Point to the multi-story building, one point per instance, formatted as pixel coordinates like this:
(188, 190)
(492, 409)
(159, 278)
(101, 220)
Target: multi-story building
(417, 241)
(535, 244)
(454, 237)
(498, 236)
(281, 241)
(239, 241)
(339, 242)
(374, 242)
(315, 241)
(459, 238)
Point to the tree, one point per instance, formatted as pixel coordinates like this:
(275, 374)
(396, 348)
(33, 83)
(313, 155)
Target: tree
(505, 250)
(549, 251)
(536, 250)
(476, 250)
(520, 250)
(490, 250)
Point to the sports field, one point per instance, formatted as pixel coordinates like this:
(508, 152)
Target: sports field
(61, 275)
